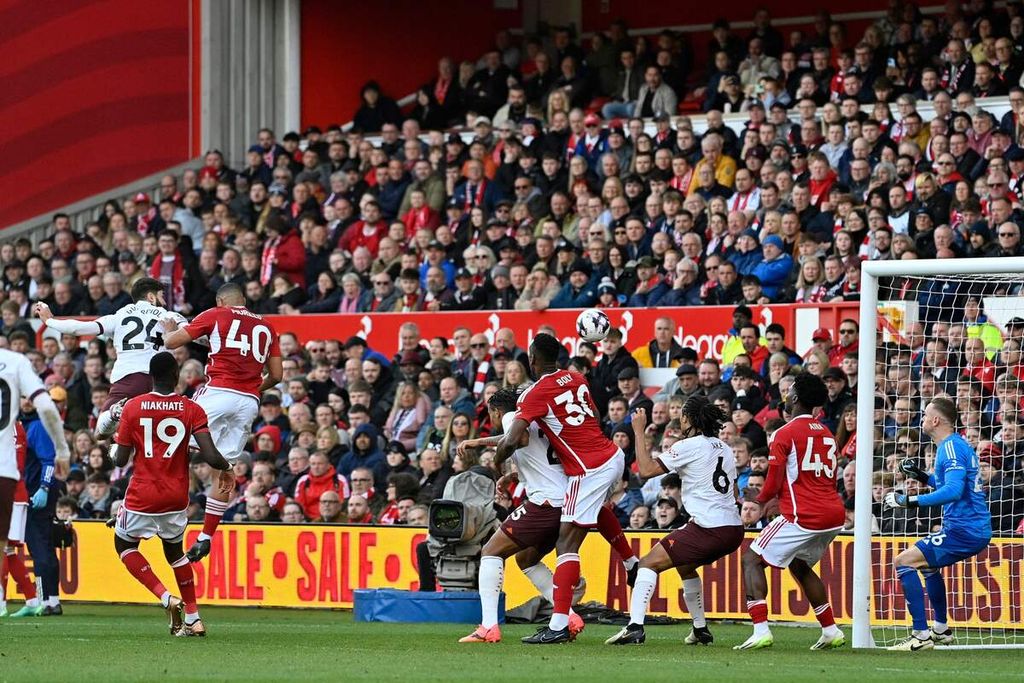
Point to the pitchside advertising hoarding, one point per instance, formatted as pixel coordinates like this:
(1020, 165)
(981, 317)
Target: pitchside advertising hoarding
(312, 566)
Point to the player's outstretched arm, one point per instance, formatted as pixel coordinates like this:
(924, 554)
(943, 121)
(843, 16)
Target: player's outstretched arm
(54, 426)
(510, 441)
(275, 371)
(209, 454)
(67, 326)
(176, 337)
(647, 466)
(952, 489)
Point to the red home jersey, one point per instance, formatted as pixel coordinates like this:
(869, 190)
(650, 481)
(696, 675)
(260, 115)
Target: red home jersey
(240, 344)
(159, 428)
(20, 449)
(561, 406)
(802, 471)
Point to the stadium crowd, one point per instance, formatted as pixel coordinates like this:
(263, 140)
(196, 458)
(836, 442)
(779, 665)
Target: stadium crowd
(562, 200)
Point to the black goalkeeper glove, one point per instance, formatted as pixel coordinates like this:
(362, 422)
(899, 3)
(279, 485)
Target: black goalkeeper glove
(909, 467)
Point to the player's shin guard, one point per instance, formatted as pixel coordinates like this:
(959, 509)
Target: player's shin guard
(914, 595)
(492, 574)
(567, 575)
(643, 589)
(693, 594)
(16, 567)
(186, 584)
(936, 587)
(138, 566)
(211, 519)
(611, 530)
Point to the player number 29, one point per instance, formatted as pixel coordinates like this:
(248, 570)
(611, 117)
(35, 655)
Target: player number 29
(812, 461)
(170, 431)
(576, 409)
(259, 343)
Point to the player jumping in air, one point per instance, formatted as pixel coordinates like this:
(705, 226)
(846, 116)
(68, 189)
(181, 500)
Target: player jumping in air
(560, 404)
(802, 473)
(707, 468)
(242, 344)
(156, 428)
(136, 338)
(966, 524)
(530, 531)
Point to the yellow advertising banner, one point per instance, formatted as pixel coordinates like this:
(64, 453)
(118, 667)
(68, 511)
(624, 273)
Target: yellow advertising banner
(278, 565)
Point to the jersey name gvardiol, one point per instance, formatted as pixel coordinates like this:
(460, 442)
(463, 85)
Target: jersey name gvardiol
(134, 329)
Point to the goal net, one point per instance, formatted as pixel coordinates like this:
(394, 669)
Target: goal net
(949, 328)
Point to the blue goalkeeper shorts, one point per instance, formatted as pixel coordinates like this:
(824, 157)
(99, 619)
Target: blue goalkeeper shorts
(949, 546)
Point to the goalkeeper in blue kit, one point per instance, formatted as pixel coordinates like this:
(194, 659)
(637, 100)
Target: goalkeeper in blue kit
(966, 524)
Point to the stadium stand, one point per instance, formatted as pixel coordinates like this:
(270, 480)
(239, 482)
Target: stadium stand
(612, 173)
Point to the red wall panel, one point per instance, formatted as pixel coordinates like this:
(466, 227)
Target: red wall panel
(395, 42)
(96, 94)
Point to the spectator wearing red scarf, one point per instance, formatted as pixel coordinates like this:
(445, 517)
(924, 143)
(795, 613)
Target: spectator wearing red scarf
(169, 268)
(822, 178)
(283, 253)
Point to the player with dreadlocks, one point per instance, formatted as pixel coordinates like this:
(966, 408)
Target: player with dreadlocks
(707, 468)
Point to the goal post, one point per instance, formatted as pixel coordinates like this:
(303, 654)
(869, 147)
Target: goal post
(879, 618)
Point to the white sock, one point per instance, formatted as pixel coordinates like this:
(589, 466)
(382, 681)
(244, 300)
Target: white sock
(830, 631)
(105, 424)
(32, 602)
(628, 564)
(53, 601)
(940, 627)
(646, 580)
(693, 594)
(558, 621)
(542, 579)
(191, 617)
(922, 635)
(761, 630)
(492, 573)
(165, 599)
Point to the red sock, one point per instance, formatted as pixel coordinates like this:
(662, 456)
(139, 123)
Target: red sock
(186, 584)
(214, 512)
(139, 567)
(824, 614)
(567, 575)
(758, 610)
(17, 569)
(608, 525)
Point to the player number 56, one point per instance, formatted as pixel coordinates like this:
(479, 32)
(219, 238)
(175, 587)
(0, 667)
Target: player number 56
(170, 431)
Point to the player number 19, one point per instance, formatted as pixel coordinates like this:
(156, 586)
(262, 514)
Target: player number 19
(170, 431)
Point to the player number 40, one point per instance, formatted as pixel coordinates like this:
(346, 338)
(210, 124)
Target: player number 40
(258, 343)
(812, 461)
(170, 431)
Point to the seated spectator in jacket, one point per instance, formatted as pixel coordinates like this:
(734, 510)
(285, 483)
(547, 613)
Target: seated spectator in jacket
(578, 292)
(663, 351)
(775, 269)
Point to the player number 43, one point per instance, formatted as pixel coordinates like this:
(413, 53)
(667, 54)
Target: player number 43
(812, 461)
(170, 432)
(576, 408)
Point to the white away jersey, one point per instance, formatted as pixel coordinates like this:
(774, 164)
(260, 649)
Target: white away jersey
(17, 381)
(134, 329)
(539, 469)
(707, 468)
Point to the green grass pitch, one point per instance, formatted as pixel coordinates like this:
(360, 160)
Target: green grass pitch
(122, 643)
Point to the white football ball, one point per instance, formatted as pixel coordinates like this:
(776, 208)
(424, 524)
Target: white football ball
(593, 325)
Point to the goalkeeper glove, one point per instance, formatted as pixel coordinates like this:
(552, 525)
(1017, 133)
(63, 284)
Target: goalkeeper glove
(896, 499)
(909, 467)
(39, 498)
